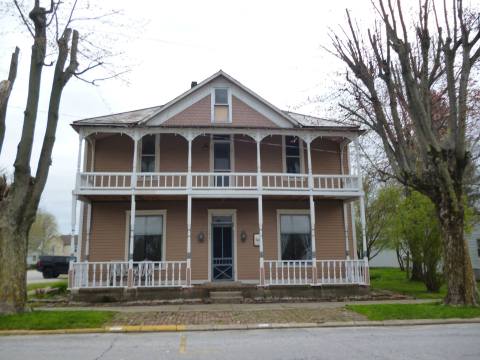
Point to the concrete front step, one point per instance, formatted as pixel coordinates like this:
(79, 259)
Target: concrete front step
(225, 297)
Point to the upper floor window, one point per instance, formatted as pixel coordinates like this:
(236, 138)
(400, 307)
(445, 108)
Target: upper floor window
(221, 106)
(295, 237)
(292, 155)
(148, 153)
(222, 153)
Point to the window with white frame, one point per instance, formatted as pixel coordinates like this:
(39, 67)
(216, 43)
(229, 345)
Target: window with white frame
(148, 238)
(292, 155)
(147, 163)
(222, 153)
(221, 106)
(295, 237)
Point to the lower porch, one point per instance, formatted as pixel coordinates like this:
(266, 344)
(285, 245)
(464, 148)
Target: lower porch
(170, 274)
(300, 241)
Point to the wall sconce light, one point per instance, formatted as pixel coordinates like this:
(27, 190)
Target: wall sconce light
(243, 236)
(200, 236)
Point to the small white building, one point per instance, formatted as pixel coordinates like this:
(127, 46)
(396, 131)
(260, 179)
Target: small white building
(473, 240)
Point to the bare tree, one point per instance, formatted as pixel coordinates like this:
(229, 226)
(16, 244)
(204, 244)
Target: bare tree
(19, 200)
(394, 72)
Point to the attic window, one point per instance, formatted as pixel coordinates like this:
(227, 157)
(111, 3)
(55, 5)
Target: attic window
(221, 106)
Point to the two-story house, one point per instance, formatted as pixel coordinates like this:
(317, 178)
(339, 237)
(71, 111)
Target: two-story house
(216, 186)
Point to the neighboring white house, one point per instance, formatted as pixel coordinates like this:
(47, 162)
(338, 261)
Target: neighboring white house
(473, 240)
(385, 258)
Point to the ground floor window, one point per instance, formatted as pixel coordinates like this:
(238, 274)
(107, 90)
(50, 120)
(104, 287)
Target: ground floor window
(295, 237)
(148, 238)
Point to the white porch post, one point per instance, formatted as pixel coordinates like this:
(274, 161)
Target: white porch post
(73, 220)
(345, 212)
(132, 212)
(259, 162)
(362, 203)
(88, 231)
(354, 232)
(189, 214)
(260, 235)
(312, 211)
(258, 139)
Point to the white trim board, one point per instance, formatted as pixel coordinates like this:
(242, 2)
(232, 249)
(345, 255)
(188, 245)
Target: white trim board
(222, 212)
(162, 212)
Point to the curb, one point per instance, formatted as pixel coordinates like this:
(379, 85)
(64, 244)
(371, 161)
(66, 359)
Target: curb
(218, 327)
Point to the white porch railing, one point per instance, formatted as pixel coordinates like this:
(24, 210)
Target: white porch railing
(220, 180)
(285, 181)
(114, 274)
(212, 181)
(161, 180)
(288, 272)
(104, 180)
(159, 273)
(336, 182)
(104, 274)
(326, 272)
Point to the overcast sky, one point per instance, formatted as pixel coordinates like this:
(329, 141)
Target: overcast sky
(272, 47)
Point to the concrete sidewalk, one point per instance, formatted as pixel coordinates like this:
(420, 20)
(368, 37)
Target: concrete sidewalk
(234, 307)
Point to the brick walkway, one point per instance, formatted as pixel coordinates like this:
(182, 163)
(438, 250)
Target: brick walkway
(235, 317)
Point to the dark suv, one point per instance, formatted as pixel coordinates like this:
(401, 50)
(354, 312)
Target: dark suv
(52, 266)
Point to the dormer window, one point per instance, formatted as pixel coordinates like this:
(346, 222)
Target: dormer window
(221, 112)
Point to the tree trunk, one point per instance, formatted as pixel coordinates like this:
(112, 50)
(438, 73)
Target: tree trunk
(13, 245)
(462, 289)
(417, 270)
(400, 260)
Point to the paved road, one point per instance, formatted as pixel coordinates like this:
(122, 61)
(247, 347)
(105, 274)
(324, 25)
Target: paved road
(34, 276)
(421, 342)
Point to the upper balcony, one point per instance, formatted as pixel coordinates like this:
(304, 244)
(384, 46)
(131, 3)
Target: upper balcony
(213, 164)
(216, 184)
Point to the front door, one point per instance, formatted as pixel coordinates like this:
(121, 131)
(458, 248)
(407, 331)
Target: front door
(222, 248)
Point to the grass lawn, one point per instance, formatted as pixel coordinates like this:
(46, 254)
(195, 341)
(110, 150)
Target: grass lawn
(414, 311)
(62, 284)
(50, 320)
(393, 279)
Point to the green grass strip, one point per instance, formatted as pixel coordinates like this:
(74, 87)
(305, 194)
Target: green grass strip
(414, 311)
(62, 284)
(52, 320)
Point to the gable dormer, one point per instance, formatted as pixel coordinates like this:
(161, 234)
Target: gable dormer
(220, 101)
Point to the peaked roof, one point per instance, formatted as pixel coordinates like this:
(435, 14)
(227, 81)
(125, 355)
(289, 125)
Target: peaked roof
(143, 116)
(208, 80)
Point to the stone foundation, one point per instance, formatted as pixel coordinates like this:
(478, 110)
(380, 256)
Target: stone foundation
(202, 292)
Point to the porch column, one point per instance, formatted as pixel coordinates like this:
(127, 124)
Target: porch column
(345, 213)
(312, 236)
(260, 235)
(132, 213)
(73, 220)
(259, 163)
(188, 280)
(189, 241)
(88, 231)
(312, 211)
(354, 231)
(362, 202)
